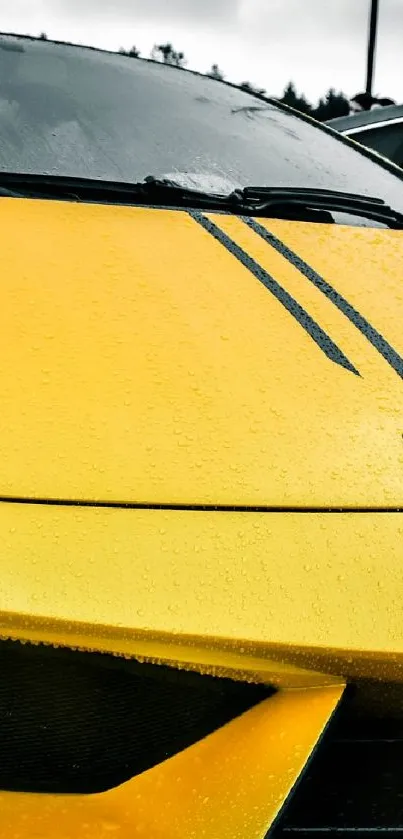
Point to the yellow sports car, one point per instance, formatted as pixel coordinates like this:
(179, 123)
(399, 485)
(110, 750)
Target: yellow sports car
(201, 435)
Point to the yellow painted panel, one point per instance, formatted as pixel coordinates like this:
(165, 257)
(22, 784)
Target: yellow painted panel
(213, 590)
(141, 362)
(231, 784)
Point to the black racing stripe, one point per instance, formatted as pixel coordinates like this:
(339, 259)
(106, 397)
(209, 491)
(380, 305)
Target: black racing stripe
(330, 349)
(370, 333)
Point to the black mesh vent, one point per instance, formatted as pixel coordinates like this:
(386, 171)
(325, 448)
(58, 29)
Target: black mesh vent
(353, 786)
(80, 722)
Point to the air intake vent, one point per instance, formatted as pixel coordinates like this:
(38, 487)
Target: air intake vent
(78, 722)
(353, 787)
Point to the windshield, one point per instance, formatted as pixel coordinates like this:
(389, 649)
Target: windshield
(80, 112)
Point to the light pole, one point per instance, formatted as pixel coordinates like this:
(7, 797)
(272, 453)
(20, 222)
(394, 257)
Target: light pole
(373, 25)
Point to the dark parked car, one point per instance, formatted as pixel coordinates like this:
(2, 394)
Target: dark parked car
(380, 129)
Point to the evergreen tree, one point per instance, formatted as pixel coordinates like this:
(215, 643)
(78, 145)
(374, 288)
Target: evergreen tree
(295, 100)
(250, 88)
(168, 55)
(331, 105)
(215, 73)
(133, 52)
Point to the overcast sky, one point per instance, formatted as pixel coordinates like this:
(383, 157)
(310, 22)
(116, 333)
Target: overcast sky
(317, 43)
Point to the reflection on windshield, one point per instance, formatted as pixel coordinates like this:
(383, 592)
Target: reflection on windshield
(80, 112)
(204, 182)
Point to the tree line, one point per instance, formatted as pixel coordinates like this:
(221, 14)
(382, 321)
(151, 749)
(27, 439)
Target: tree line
(332, 104)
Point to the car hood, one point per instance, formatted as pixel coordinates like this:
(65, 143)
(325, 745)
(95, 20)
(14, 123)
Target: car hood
(168, 358)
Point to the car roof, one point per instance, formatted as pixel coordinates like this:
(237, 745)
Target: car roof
(364, 118)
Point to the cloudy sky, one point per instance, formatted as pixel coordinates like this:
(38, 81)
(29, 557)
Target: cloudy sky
(317, 43)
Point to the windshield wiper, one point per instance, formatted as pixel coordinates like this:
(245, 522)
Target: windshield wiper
(268, 201)
(305, 204)
(59, 187)
(299, 204)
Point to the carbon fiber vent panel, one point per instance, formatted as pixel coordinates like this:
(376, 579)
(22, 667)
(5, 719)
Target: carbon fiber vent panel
(79, 722)
(353, 786)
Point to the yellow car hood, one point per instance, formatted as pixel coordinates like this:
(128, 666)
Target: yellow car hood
(159, 357)
(162, 358)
